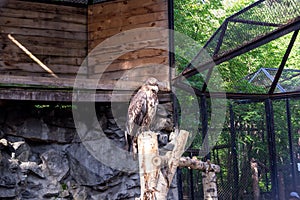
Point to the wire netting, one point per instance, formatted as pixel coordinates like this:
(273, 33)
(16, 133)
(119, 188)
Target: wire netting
(250, 142)
(249, 24)
(289, 79)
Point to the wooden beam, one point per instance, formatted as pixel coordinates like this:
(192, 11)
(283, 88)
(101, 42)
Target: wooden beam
(29, 94)
(70, 83)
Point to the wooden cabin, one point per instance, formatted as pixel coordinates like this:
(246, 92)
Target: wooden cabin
(105, 46)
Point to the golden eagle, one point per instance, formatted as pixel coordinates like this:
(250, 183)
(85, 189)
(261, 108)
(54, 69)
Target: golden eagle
(141, 112)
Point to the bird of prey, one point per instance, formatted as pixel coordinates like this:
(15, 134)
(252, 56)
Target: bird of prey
(141, 112)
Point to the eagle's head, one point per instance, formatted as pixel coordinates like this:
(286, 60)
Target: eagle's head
(153, 84)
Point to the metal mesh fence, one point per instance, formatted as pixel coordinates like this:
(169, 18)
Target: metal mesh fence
(248, 25)
(235, 154)
(289, 80)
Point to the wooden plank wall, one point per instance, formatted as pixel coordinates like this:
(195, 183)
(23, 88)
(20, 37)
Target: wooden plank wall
(108, 54)
(55, 34)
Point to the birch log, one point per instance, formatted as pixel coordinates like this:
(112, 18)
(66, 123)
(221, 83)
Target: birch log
(194, 163)
(255, 179)
(156, 173)
(148, 164)
(209, 178)
(169, 165)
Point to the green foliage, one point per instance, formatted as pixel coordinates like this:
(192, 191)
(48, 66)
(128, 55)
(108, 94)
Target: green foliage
(64, 186)
(199, 19)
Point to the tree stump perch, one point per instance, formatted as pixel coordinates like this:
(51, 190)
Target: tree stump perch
(157, 171)
(209, 178)
(148, 164)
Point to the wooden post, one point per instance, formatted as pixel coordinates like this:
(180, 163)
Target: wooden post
(255, 179)
(157, 171)
(281, 185)
(148, 158)
(209, 180)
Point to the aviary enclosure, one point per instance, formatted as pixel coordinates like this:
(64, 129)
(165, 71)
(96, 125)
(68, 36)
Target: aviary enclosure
(258, 149)
(45, 46)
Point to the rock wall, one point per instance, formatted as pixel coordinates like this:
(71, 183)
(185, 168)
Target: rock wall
(42, 156)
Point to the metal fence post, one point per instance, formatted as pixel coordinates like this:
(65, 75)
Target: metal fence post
(272, 147)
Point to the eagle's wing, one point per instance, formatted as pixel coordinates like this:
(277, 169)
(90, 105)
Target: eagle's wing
(137, 110)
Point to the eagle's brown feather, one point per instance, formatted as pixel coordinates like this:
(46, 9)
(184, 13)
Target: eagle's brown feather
(142, 110)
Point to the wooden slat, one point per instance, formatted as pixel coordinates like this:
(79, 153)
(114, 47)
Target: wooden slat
(44, 32)
(41, 24)
(121, 66)
(34, 67)
(67, 96)
(69, 83)
(48, 41)
(46, 50)
(141, 73)
(37, 74)
(123, 56)
(137, 38)
(46, 59)
(100, 36)
(55, 34)
(99, 11)
(47, 33)
(128, 15)
(121, 6)
(117, 22)
(43, 15)
(142, 53)
(94, 42)
(44, 7)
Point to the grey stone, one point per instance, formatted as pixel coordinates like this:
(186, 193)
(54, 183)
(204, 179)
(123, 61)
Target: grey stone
(7, 181)
(22, 151)
(129, 184)
(8, 178)
(50, 191)
(27, 167)
(64, 194)
(81, 193)
(6, 147)
(162, 110)
(120, 133)
(85, 169)
(1, 133)
(27, 194)
(161, 123)
(7, 193)
(109, 132)
(55, 165)
(111, 121)
(37, 130)
(34, 129)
